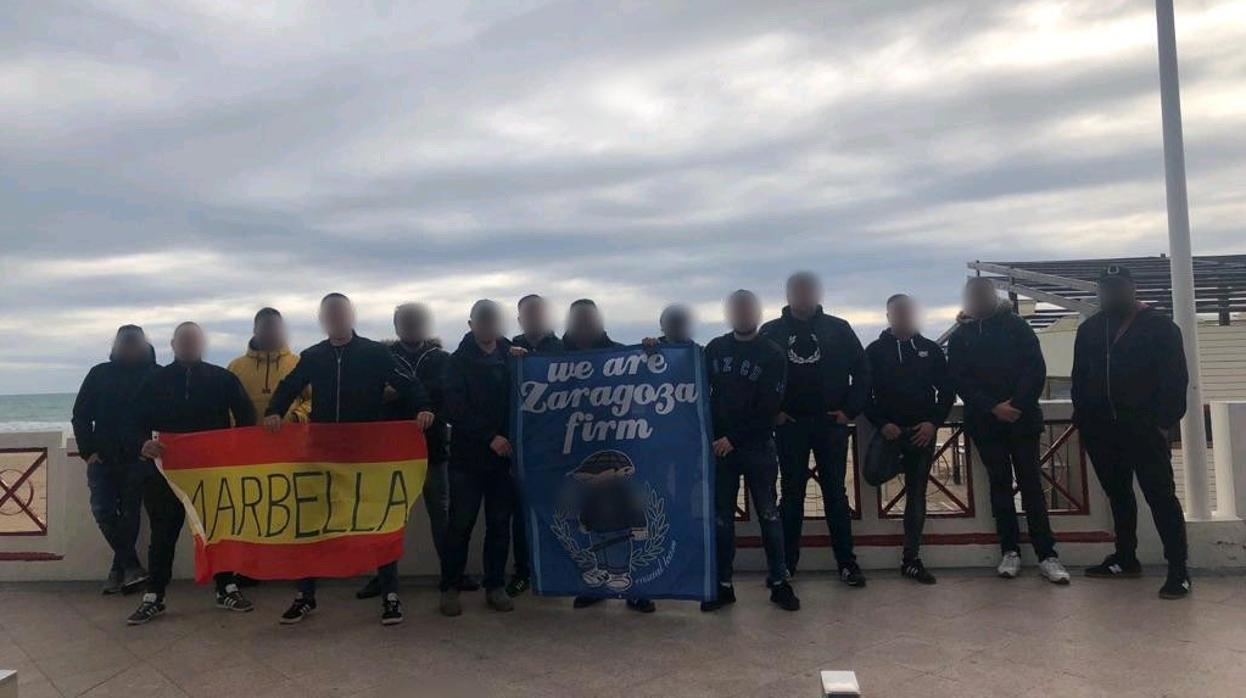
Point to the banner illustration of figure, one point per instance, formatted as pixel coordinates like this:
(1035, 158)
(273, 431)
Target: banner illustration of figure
(604, 441)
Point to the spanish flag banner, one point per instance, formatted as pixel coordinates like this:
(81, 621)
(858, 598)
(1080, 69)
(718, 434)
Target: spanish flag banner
(313, 500)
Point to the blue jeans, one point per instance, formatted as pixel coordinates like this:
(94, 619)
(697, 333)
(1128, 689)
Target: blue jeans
(116, 503)
(759, 468)
(828, 442)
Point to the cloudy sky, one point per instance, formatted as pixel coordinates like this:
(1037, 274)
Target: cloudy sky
(196, 159)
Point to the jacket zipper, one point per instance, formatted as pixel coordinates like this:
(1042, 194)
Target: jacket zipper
(1107, 335)
(186, 386)
(267, 364)
(337, 416)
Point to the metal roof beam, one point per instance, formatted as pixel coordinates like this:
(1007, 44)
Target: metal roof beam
(1067, 303)
(1026, 274)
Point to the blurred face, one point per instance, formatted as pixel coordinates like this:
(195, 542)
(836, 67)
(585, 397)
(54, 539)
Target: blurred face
(486, 323)
(188, 344)
(337, 317)
(743, 313)
(130, 347)
(902, 317)
(1117, 296)
(584, 323)
(981, 301)
(804, 293)
(677, 325)
(533, 320)
(270, 332)
(412, 323)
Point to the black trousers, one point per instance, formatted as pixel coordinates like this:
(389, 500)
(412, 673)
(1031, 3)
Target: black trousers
(117, 504)
(519, 537)
(166, 514)
(1119, 451)
(916, 461)
(828, 442)
(482, 479)
(759, 469)
(437, 502)
(1005, 456)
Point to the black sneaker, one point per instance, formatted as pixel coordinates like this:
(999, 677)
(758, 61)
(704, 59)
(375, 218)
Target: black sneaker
(850, 574)
(1177, 586)
(113, 584)
(302, 606)
(726, 597)
(782, 596)
(151, 606)
(371, 590)
(1115, 567)
(466, 583)
(517, 586)
(231, 599)
(586, 601)
(391, 610)
(915, 570)
(642, 605)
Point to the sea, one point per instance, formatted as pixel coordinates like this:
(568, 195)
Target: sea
(43, 412)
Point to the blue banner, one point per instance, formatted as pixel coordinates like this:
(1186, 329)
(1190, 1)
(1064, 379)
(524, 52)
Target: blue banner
(612, 448)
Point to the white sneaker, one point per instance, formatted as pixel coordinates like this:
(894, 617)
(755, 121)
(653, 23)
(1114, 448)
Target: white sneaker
(1054, 571)
(1010, 566)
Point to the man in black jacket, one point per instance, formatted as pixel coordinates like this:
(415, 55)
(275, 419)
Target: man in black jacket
(109, 439)
(537, 337)
(349, 375)
(910, 397)
(828, 379)
(746, 374)
(1129, 391)
(477, 395)
(998, 369)
(188, 395)
(421, 355)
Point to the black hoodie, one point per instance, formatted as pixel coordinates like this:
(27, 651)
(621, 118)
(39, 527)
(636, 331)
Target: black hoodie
(992, 360)
(910, 382)
(348, 382)
(549, 344)
(427, 362)
(183, 398)
(746, 388)
(1139, 376)
(477, 395)
(827, 370)
(104, 418)
(603, 341)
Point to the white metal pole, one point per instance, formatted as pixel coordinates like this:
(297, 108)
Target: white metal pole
(1193, 429)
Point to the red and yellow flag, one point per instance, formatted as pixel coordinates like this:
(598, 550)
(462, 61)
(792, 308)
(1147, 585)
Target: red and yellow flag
(313, 500)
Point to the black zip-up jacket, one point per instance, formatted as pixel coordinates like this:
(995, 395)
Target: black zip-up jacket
(549, 344)
(746, 388)
(477, 394)
(1139, 377)
(183, 398)
(910, 382)
(104, 418)
(996, 359)
(602, 342)
(348, 382)
(843, 373)
(427, 363)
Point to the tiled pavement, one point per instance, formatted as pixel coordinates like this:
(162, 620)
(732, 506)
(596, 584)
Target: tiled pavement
(971, 635)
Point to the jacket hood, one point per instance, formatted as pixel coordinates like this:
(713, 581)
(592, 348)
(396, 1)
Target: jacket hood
(602, 342)
(890, 337)
(257, 354)
(434, 342)
(964, 318)
(787, 313)
(469, 347)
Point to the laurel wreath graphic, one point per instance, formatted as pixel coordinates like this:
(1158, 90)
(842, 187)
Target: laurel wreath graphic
(655, 523)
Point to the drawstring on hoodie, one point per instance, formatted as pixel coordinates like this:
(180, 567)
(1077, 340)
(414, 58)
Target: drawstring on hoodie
(900, 351)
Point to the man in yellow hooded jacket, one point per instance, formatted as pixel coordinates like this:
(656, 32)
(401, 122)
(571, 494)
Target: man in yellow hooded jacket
(267, 361)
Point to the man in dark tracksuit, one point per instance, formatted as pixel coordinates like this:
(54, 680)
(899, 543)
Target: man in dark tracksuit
(585, 332)
(421, 355)
(746, 375)
(1129, 391)
(348, 375)
(828, 380)
(188, 395)
(109, 439)
(998, 369)
(535, 337)
(910, 397)
(477, 396)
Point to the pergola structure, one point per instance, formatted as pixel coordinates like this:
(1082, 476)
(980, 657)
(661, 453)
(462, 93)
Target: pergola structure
(1067, 287)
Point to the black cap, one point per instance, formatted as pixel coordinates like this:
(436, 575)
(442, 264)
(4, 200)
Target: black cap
(1115, 272)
